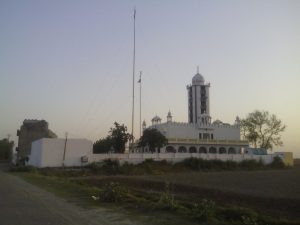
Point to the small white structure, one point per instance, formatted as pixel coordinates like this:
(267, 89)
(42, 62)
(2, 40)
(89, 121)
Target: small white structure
(50, 152)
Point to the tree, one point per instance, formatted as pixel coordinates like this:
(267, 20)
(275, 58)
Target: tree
(152, 138)
(116, 140)
(119, 136)
(262, 129)
(6, 149)
(103, 145)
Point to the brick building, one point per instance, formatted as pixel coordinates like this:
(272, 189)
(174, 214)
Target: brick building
(30, 131)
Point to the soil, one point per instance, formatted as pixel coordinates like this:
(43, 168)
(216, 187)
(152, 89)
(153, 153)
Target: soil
(23, 204)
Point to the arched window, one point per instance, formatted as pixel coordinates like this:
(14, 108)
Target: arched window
(212, 150)
(170, 149)
(222, 150)
(192, 149)
(202, 150)
(182, 149)
(231, 150)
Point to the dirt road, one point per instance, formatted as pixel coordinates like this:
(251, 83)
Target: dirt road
(24, 204)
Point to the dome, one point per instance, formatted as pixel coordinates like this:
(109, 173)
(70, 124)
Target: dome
(218, 122)
(198, 79)
(156, 118)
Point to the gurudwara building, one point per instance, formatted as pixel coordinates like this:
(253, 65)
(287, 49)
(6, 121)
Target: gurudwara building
(200, 134)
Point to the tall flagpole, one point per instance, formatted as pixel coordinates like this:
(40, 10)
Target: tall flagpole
(133, 78)
(140, 81)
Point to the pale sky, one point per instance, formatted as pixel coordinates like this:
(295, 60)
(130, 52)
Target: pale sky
(70, 62)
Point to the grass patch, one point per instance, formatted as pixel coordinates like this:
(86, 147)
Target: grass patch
(64, 188)
(162, 202)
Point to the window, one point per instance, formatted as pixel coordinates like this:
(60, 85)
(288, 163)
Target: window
(211, 136)
(200, 136)
(206, 136)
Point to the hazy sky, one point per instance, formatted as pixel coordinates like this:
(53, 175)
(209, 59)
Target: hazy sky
(70, 62)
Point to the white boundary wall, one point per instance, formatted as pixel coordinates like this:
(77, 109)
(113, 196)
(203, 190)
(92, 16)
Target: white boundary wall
(49, 152)
(136, 158)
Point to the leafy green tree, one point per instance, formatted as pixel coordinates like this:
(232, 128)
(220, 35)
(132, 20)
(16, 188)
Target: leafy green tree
(119, 137)
(262, 129)
(116, 140)
(103, 145)
(153, 138)
(6, 149)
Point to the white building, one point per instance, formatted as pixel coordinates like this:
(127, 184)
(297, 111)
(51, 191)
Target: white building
(199, 135)
(50, 152)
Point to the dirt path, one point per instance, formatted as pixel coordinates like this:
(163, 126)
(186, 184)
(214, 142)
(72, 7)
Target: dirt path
(24, 204)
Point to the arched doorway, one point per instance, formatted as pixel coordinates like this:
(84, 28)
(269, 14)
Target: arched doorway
(170, 149)
(202, 150)
(222, 150)
(212, 150)
(231, 150)
(192, 149)
(182, 149)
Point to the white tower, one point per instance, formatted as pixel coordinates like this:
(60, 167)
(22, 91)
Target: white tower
(169, 117)
(198, 100)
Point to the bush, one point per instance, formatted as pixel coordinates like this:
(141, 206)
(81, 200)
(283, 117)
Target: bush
(249, 220)
(167, 200)
(192, 163)
(205, 210)
(251, 164)
(31, 169)
(113, 192)
(111, 166)
(236, 214)
(277, 163)
(94, 166)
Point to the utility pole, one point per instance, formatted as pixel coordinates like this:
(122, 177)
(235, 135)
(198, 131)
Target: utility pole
(65, 148)
(133, 79)
(140, 81)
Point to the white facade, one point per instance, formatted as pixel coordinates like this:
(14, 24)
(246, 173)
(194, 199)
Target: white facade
(49, 152)
(200, 134)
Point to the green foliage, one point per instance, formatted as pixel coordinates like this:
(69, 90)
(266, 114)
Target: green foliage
(249, 220)
(6, 148)
(167, 200)
(198, 164)
(205, 210)
(277, 163)
(119, 136)
(103, 145)
(111, 166)
(153, 138)
(251, 164)
(236, 214)
(262, 129)
(24, 169)
(94, 166)
(114, 142)
(113, 192)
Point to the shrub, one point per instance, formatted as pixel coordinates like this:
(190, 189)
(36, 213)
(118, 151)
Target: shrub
(249, 220)
(192, 163)
(113, 192)
(167, 200)
(204, 210)
(31, 169)
(277, 163)
(236, 213)
(251, 164)
(111, 166)
(95, 166)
